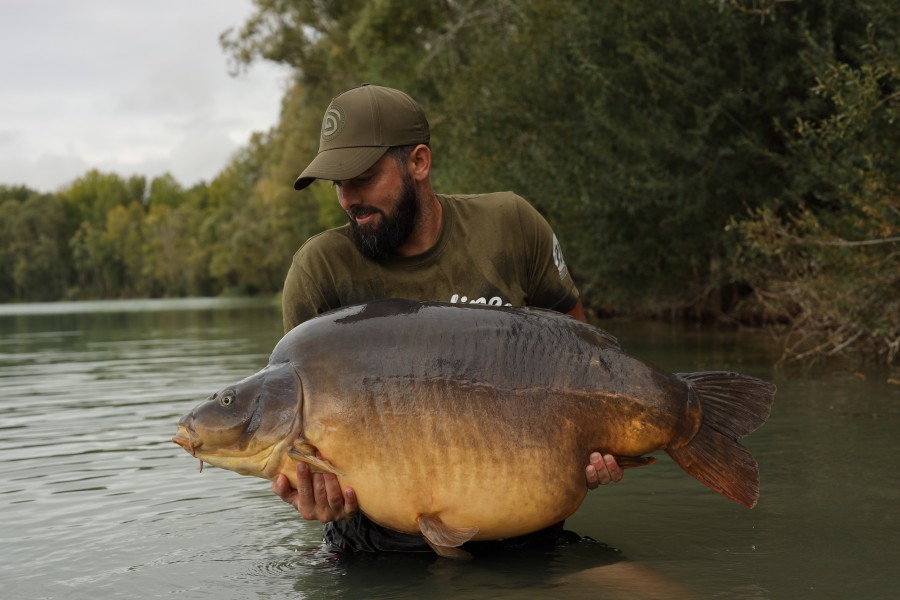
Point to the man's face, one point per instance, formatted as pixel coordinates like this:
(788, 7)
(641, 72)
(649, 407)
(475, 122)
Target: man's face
(382, 207)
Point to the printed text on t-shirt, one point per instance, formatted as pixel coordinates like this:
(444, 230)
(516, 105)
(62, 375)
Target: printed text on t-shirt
(493, 301)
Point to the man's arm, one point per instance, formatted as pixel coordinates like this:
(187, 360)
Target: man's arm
(578, 311)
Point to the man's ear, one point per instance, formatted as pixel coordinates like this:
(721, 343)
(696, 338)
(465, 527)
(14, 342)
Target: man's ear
(419, 163)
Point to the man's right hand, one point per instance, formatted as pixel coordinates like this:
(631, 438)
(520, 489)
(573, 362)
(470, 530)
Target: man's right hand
(318, 495)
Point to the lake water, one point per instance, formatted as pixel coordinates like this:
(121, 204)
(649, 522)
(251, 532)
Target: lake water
(96, 502)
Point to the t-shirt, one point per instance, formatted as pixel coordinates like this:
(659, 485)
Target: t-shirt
(492, 249)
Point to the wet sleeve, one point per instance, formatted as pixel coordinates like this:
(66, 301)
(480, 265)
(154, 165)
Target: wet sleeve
(360, 534)
(548, 281)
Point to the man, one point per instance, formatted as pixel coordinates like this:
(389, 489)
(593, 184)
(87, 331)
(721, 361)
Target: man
(405, 241)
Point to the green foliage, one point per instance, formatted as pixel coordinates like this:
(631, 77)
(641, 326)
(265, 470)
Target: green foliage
(639, 128)
(33, 265)
(93, 195)
(825, 263)
(244, 233)
(710, 159)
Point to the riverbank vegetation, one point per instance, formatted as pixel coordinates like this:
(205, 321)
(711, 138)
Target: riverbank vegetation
(731, 161)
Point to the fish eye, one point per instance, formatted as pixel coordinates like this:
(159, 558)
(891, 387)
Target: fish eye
(226, 399)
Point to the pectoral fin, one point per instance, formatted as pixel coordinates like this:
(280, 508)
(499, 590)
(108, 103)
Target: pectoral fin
(307, 454)
(630, 462)
(444, 539)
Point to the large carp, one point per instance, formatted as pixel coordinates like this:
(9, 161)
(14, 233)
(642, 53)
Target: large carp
(435, 414)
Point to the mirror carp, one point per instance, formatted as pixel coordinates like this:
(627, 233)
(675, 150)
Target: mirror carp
(436, 414)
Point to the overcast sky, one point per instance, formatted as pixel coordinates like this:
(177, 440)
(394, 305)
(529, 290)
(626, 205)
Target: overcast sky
(126, 86)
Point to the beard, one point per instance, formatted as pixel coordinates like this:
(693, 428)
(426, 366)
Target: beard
(380, 239)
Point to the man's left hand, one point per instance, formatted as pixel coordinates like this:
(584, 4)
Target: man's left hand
(602, 469)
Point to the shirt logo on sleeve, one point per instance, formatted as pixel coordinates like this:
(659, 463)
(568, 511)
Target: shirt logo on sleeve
(558, 259)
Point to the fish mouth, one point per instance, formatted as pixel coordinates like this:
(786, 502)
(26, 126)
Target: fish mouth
(187, 438)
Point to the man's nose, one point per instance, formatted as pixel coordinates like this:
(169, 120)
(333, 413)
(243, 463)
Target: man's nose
(347, 196)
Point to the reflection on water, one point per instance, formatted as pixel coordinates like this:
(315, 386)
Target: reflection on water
(96, 502)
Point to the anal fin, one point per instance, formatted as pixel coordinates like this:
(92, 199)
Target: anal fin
(445, 540)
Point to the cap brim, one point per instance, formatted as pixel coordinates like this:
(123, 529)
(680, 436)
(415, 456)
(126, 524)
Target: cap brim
(339, 164)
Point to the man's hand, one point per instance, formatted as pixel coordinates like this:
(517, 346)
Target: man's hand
(318, 495)
(602, 470)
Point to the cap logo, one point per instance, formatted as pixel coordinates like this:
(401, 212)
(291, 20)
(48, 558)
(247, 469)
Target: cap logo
(333, 122)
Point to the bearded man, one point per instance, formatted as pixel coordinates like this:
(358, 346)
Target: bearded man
(405, 241)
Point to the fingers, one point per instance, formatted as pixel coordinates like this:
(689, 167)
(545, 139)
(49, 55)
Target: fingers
(602, 470)
(282, 488)
(318, 496)
(592, 471)
(329, 506)
(615, 471)
(351, 506)
(305, 500)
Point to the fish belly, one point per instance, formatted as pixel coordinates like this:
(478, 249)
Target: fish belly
(508, 462)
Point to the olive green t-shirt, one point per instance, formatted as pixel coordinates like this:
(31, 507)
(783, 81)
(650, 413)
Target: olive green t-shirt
(492, 249)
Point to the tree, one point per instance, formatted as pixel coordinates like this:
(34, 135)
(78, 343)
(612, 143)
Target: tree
(823, 262)
(32, 262)
(94, 208)
(124, 234)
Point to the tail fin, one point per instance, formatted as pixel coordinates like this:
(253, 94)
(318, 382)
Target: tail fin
(733, 405)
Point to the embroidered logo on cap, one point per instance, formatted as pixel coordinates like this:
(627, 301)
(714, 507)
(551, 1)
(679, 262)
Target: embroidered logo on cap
(333, 122)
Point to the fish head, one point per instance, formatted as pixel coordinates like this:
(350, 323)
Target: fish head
(246, 427)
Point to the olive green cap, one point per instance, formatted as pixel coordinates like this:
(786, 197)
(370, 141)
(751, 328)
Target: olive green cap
(358, 128)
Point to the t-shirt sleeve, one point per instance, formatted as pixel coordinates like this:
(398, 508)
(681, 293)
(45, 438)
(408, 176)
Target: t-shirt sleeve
(549, 283)
(309, 287)
(300, 299)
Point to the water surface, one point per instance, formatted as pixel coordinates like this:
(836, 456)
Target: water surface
(96, 502)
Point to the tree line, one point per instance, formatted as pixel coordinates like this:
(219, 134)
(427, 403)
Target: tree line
(721, 160)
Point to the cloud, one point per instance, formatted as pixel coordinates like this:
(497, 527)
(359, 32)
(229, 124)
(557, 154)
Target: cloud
(130, 87)
(47, 167)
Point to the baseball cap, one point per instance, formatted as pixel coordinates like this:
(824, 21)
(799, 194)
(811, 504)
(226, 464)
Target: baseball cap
(358, 128)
